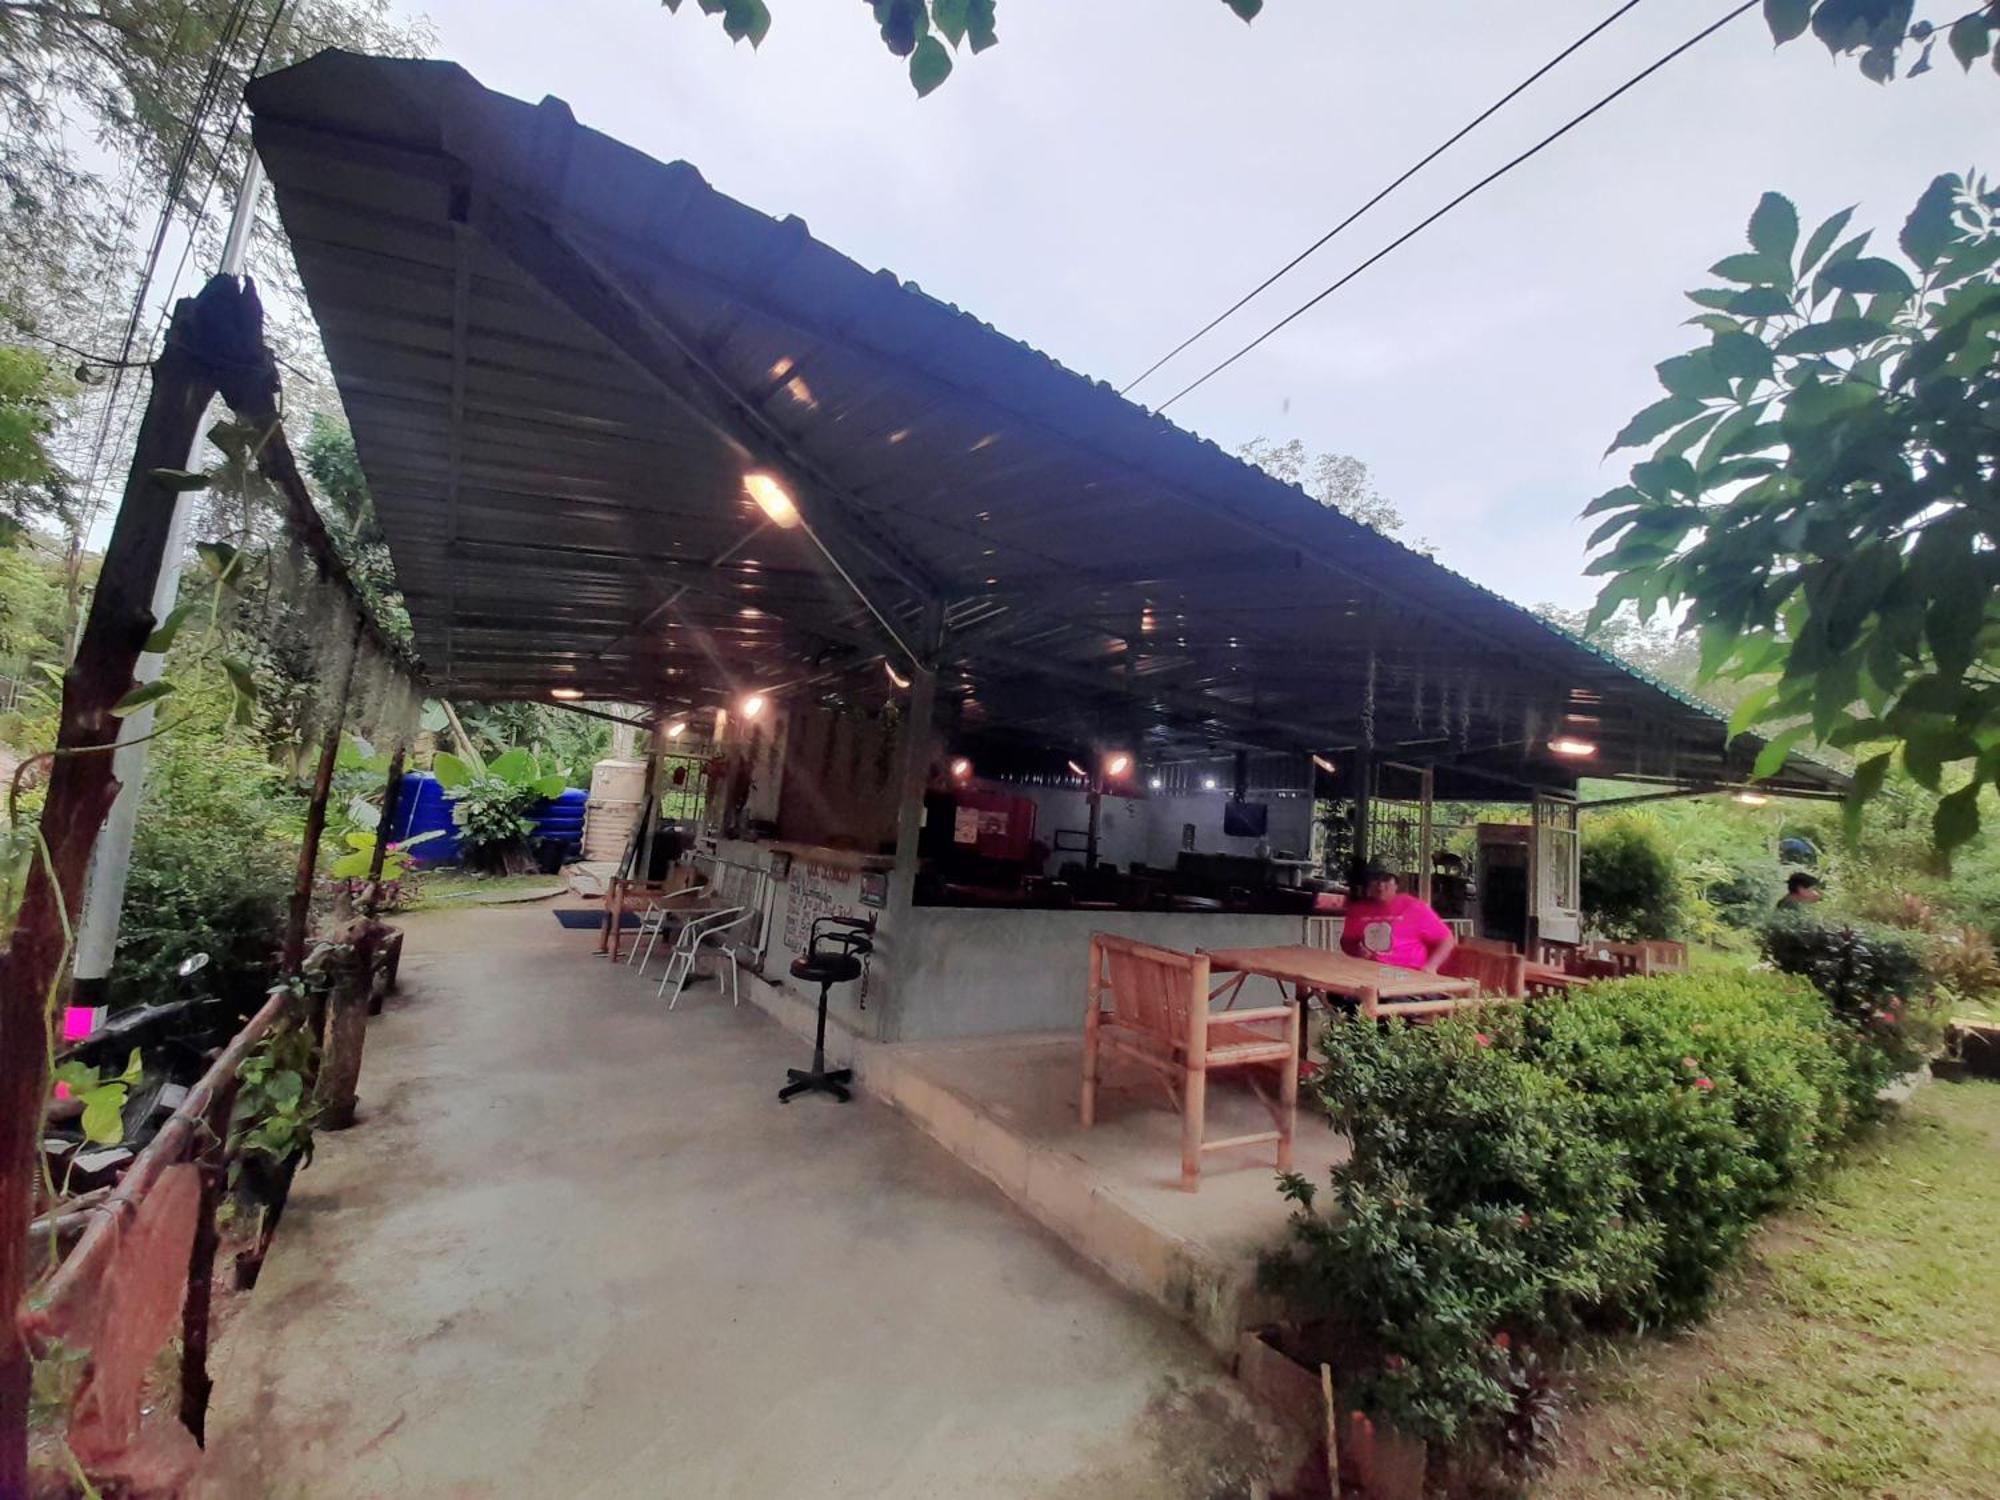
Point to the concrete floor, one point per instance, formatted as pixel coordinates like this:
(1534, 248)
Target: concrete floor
(576, 1247)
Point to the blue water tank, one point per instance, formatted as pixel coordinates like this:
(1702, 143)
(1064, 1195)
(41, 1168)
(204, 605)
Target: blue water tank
(423, 807)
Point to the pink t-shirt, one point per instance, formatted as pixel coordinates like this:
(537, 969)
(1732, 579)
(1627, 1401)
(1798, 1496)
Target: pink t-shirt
(1400, 931)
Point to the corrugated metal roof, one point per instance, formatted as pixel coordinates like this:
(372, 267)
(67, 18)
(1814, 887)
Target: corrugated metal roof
(561, 357)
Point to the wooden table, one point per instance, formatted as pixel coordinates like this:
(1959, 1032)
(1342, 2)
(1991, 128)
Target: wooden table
(1379, 989)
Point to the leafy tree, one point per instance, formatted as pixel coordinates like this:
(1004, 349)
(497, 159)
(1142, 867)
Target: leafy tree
(1823, 494)
(31, 481)
(1886, 33)
(926, 32)
(334, 466)
(129, 76)
(1339, 481)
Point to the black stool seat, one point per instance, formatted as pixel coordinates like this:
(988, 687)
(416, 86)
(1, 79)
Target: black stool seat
(829, 959)
(826, 968)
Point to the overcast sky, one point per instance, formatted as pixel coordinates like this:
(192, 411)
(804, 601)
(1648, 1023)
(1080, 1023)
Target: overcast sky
(1115, 172)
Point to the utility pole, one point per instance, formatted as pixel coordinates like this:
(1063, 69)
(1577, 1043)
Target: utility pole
(111, 863)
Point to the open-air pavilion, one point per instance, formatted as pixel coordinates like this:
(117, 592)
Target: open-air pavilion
(959, 639)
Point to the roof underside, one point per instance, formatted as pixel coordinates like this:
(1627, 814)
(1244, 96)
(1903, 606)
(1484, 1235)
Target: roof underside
(561, 358)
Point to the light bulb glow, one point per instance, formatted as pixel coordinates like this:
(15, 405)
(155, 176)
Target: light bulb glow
(1208, 783)
(676, 729)
(772, 498)
(1325, 765)
(1077, 770)
(1570, 745)
(566, 695)
(961, 769)
(897, 679)
(1117, 764)
(752, 706)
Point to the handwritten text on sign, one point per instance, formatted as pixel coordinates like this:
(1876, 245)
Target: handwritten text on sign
(816, 891)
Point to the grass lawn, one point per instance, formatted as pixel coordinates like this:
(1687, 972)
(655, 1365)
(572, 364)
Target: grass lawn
(1857, 1355)
(461, 888)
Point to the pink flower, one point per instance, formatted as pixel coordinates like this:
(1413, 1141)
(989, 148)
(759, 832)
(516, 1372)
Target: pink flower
(1703, 1083)
(1503, 1341)
(1395, 1361)
(1482, 1038)
(1524, 1221)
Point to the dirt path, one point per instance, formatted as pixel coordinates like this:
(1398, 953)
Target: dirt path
(1858, 1356)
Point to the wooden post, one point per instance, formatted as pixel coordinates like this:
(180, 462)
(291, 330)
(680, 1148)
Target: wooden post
(392, 793)
(213, 1156)
(218, 330)
(302, 883)
(349, 974)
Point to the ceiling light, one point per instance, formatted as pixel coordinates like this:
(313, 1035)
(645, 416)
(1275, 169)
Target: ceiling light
(567, 695)
(1570, 745)
(1117, 763)
(676, 729)
(961, 769)
(894, 676)
(772, 499)
(1325, 765)
(1208, 783)
(752, 706)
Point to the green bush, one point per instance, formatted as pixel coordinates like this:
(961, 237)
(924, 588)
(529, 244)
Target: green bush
(213, 861)
(1478, 1208)
(1721, 1091)
(1591, 1160)
(1876, 979)
(1631, 888)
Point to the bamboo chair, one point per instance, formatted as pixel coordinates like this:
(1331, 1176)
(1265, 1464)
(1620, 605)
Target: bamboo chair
(1151, 1004)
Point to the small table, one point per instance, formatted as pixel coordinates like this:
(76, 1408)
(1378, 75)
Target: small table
(1368, 983)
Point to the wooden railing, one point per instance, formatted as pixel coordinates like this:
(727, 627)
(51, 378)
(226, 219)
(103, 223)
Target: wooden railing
(112, 1302)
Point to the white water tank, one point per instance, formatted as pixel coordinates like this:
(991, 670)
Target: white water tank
(617, 798)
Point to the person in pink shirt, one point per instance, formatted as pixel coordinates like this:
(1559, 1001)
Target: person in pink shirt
(1392, 928)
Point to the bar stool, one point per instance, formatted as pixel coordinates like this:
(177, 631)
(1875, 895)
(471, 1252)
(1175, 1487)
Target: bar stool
(830, 959)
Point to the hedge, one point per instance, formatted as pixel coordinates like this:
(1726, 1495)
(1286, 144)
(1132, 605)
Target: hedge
(1585, 1162)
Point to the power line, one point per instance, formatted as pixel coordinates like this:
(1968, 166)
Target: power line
(1460, 134)
(1491, 177)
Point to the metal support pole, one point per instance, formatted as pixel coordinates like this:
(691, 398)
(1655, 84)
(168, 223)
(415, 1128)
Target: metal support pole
(1424, 860)
(914, 763)
(1364, 798)
(111, 860)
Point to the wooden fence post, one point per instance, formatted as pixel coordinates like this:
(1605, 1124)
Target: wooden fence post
(213, 1159)
(220, 330)
(392, 794)
(302, 883)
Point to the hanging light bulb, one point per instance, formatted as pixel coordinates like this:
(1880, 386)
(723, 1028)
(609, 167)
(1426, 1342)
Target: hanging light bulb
(676, 729)
(772, 498)
(961, 769)
(1117, 763)
(752, 706)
